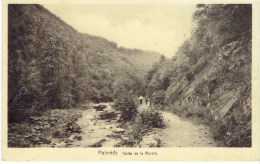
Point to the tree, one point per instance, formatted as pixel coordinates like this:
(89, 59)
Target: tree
(162, 59)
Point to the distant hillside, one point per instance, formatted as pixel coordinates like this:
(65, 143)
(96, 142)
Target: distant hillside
(61, 67)
(210, 76)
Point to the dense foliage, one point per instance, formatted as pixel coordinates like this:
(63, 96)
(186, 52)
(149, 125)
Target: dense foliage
(61, 67)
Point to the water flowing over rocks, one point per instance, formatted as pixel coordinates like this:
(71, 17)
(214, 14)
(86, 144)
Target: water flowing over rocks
(99, 126)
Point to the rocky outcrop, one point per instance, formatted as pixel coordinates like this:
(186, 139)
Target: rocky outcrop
(221, 93)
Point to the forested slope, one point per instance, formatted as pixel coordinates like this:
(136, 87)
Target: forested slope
(61, 67)
(210, 75)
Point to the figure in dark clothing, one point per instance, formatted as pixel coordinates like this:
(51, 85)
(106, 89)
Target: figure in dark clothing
(141, 100)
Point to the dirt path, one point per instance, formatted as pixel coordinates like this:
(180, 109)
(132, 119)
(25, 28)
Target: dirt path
(184, 133)
(179, 132)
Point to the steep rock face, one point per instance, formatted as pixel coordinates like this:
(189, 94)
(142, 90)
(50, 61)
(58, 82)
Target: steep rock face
(221, 91)
(61, 67)
(210, 75)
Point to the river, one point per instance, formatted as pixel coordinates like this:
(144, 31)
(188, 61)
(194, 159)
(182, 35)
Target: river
(179, 132)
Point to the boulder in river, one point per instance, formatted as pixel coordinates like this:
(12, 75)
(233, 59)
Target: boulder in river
(73, 127)
(100, 107)
(107, 115)
(98, 144)
(77, 137)
(119, 130)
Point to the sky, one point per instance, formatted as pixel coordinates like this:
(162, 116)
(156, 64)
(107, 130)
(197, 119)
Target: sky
(154, 27)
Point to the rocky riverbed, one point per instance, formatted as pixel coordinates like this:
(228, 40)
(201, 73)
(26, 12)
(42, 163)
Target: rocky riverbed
(46, 130)
(99, 125)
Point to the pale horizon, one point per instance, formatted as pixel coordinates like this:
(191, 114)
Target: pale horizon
(156, 27)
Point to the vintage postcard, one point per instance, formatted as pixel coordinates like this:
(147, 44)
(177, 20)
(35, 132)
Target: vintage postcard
(130, 80)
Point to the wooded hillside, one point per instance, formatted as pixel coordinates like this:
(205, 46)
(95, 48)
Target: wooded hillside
(62, 68)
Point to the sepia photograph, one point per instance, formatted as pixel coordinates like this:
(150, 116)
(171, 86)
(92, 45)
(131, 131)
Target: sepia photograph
(129, 75)
(123, 80)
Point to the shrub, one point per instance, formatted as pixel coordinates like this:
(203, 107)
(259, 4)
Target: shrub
(143, 122)
(201, 89)
(152, 119)
(190, 76)
(238, 135)
(19, 115)
(126, 105)
(58, 134)
(137, 128)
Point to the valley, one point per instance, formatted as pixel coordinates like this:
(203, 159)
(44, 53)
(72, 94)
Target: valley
(71, 89)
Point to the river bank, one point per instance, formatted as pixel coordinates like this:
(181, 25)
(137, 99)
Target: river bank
(46, 130)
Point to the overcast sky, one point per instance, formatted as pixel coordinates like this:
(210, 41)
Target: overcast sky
(159, 27)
